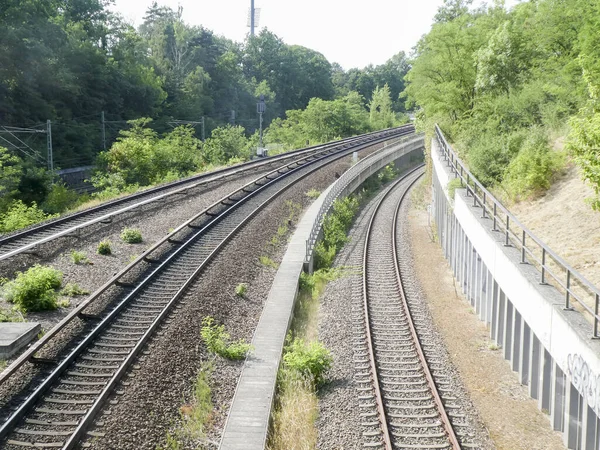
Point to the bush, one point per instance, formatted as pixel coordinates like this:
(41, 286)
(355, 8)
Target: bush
(324, 255)
(35, 289)
(218, 341)
(60, 198)
(19, 215)
(79, 257)
(584, 145)
(335, 229)
(241, 289)
(104, 248)
(131, 235)
(310, 359)
(73, 290)
(531, 171)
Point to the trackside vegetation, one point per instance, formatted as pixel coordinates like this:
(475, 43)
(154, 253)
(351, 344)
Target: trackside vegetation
(508, 85)
(306, 360)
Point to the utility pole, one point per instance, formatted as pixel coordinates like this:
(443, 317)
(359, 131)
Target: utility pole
(232, 117)
(103, 132)
(251, 18)
(202, 122)
(49, 145)
(260, 109)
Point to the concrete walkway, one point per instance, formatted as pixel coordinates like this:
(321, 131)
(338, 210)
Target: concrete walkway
(248, 421)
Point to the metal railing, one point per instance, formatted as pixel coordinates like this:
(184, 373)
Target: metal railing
(553, 269)
(347, 177)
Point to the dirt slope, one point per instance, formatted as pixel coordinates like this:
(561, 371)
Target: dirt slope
(566, 223)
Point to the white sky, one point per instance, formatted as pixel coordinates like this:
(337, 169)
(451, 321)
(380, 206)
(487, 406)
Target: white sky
(349, 32)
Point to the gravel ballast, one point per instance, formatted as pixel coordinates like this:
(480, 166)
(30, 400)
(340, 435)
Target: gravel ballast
(339, 422)
(149, 407)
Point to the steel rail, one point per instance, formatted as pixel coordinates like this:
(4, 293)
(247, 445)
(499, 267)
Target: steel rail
(502, 218)
(413, 331)
(414, 335)
(250, 191)
(168, 239)
(152, 195)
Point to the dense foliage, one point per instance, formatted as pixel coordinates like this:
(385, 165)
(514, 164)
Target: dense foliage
(72, 61)
(503, 84)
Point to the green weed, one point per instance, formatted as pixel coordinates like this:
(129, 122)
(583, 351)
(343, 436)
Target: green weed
(104, 248)
(218, 341)
(131, 235)
(79, 257)
(267, 262)
(73, 290)
(35, 289)
(241, 289)
(311, 359)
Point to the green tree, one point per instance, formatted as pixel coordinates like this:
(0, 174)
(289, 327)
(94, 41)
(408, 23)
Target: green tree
(381, 115)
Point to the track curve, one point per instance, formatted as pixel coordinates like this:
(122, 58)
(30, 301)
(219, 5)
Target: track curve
(409, 409)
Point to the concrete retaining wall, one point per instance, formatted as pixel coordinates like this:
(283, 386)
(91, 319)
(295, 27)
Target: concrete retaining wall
(549, 347)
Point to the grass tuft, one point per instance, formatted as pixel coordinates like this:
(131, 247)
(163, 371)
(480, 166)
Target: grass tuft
(73, 290)
(79, 257)
(267, 262)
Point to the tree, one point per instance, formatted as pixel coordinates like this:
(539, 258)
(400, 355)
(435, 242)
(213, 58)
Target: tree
(381, 114)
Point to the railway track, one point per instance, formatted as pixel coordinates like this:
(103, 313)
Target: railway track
(405, 400)
(57, 411)
(27, 240)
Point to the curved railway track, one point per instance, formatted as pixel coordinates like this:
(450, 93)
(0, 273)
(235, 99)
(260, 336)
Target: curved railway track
(26, 240)
(401, 406)
(57, 411)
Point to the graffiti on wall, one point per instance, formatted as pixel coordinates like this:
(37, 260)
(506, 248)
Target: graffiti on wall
(585, 381)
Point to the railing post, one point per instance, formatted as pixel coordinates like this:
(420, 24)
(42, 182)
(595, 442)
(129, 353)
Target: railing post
(507, 230)
(568, 293)
(495, 217)
(523, 249)
(596, 315)
(484, 203)
(543, 266)
(468, 187)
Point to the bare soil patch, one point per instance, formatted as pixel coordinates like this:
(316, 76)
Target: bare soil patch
(566, 223)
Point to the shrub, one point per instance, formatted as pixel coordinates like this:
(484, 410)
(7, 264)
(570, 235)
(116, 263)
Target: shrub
(19, 215)
(60, 198)
(324, 255)
(584, 145)
(35, 289)
(218, 341)
(131, 235)
(104, 248)
(387, 174)
(73, 290)
(531, 171)
(241, 289)
(79, 257)
(310, 359)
